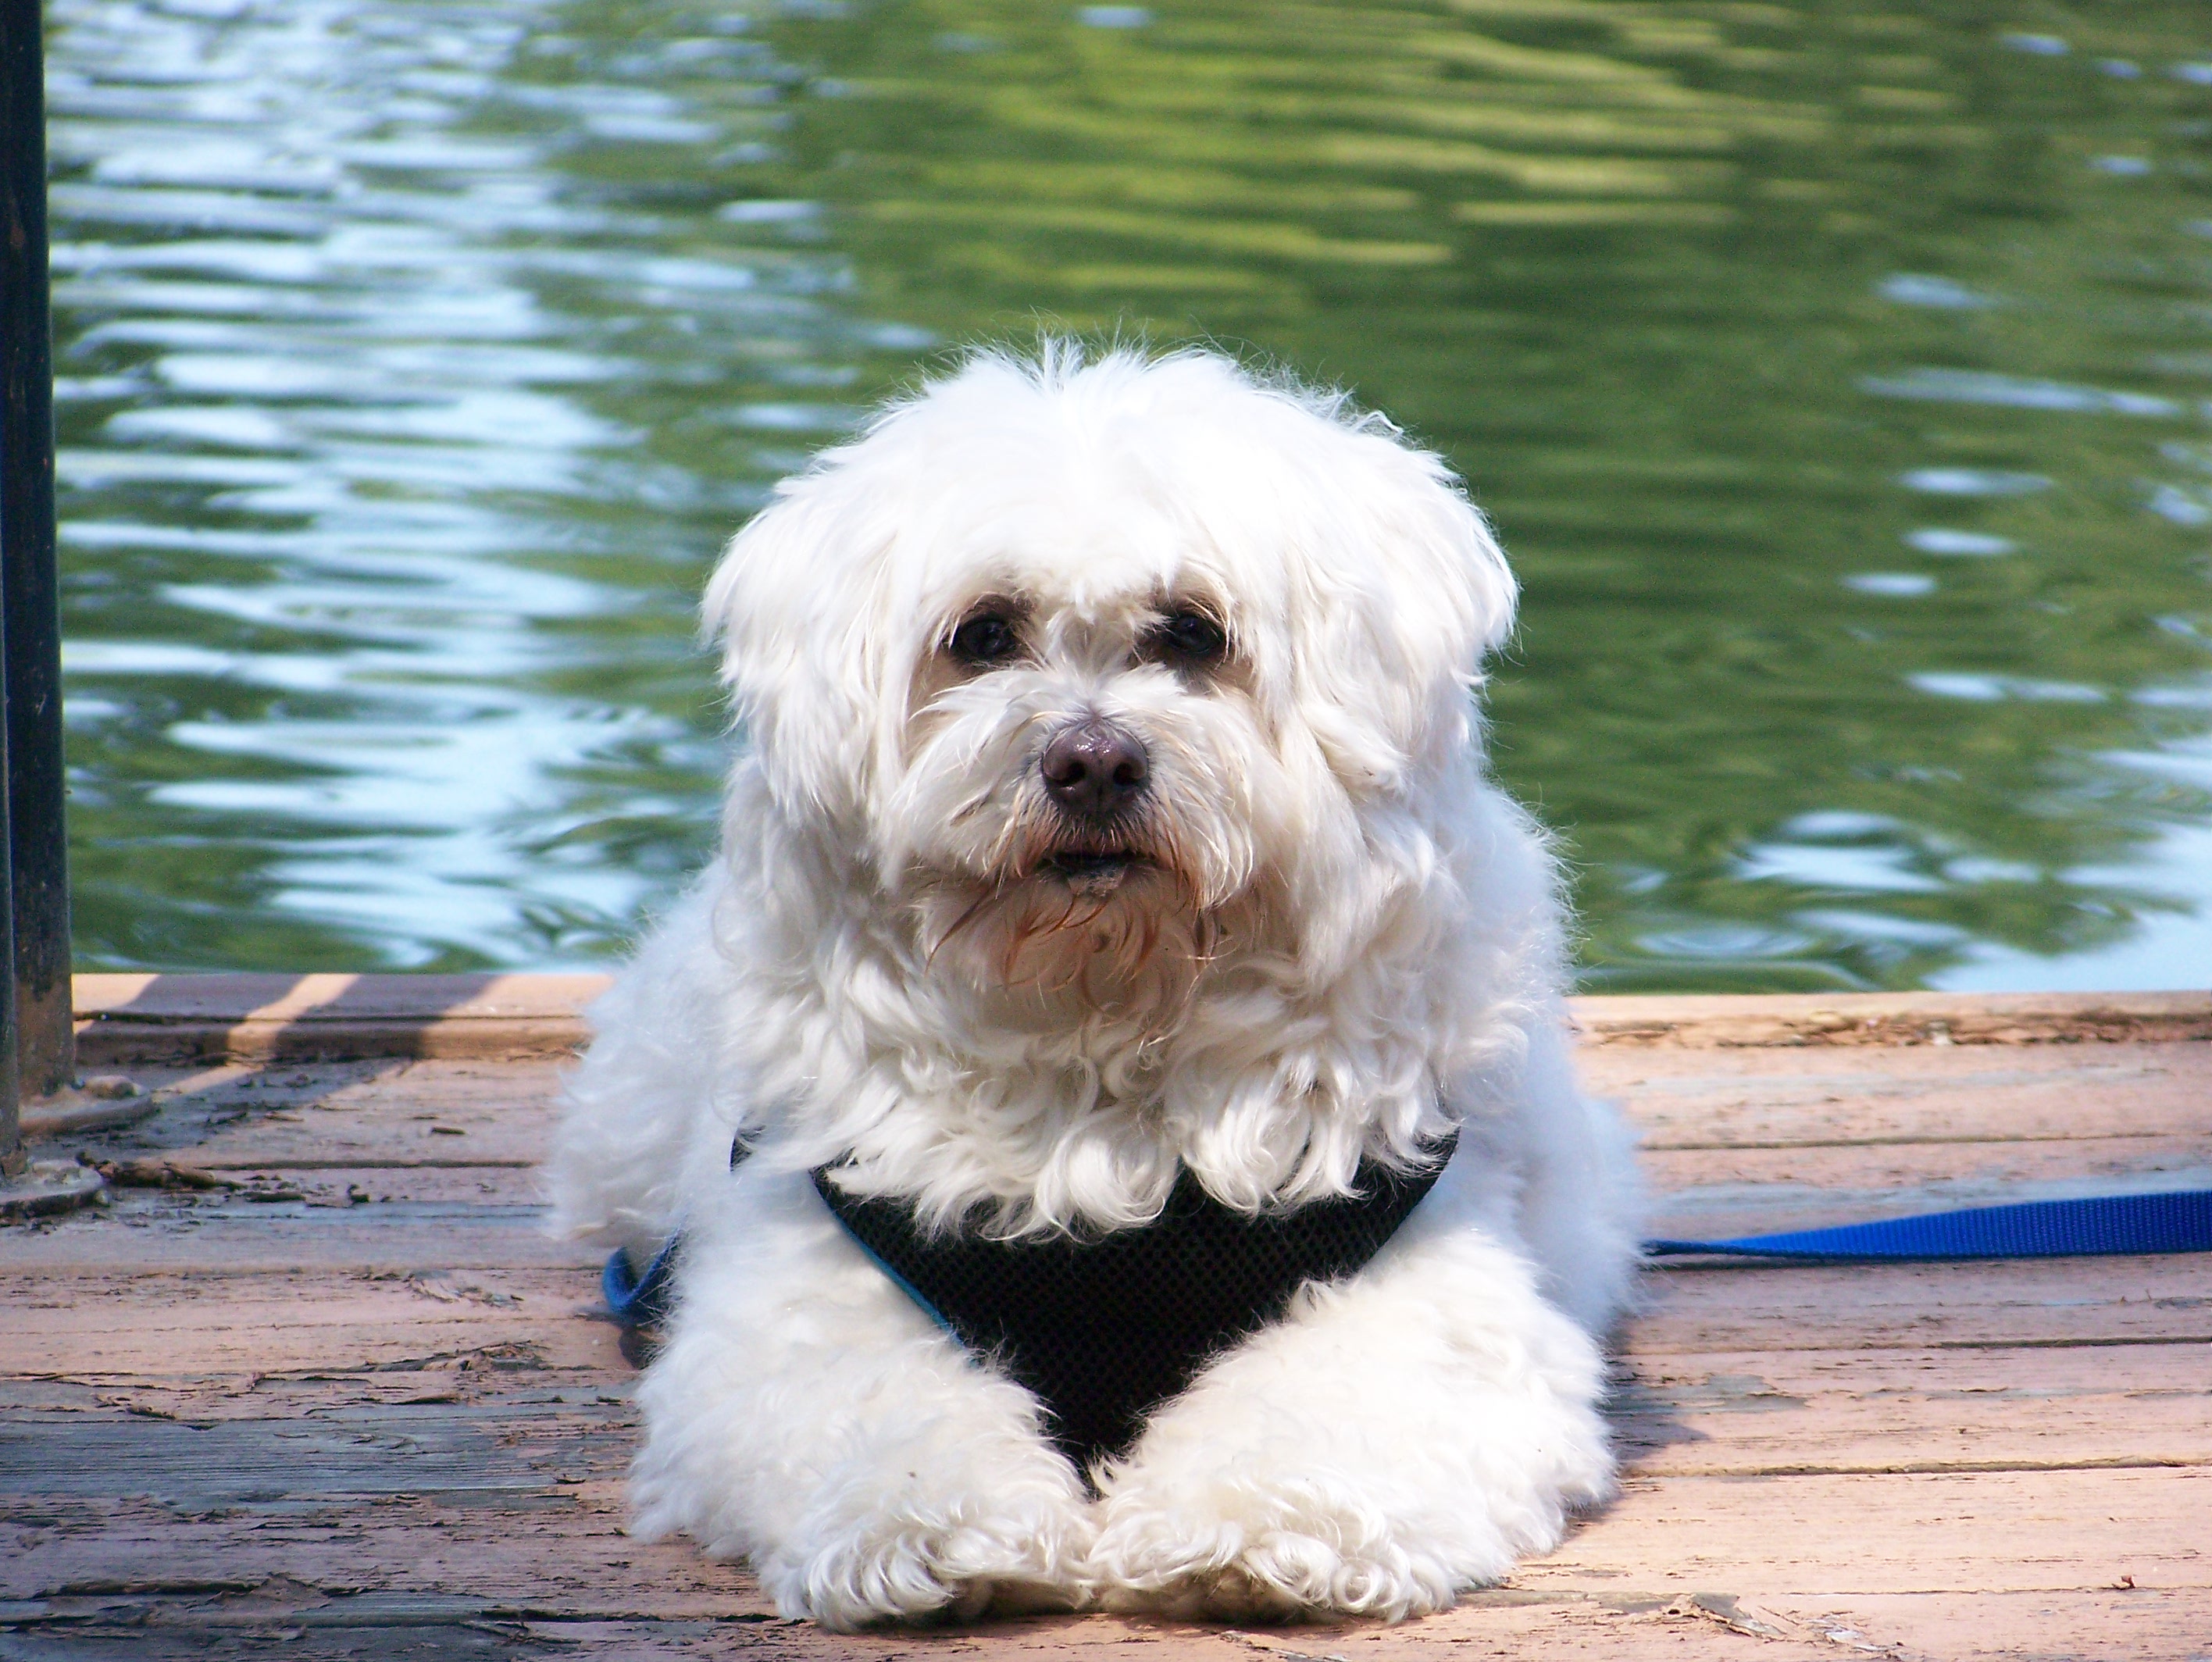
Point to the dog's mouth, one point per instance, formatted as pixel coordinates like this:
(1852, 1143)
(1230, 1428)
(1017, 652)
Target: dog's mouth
(1092, 870)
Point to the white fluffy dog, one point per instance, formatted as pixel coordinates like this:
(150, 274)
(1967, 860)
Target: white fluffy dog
(1115, 809)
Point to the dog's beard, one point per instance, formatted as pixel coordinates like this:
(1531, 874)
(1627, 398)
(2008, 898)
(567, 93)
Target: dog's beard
(1075, 921)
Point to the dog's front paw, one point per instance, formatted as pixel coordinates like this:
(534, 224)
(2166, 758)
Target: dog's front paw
(957, 1562)
(1284, 1531)
(1236, 1550)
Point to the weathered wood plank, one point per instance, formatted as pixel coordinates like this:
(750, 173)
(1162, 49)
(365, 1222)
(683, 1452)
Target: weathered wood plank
(1778, 1098)
(1799, 1412)
(1907, 1175)
(293, 1272)
(1833, 1535)
(495, 1205)
(435, 1315)
(367, 1625)
(2112, 1624)
(390, 1428)
(386, 1112)
(495, 1209)
(171, 1018)
(236, 1482)
(1817, 1555)
(263, 1317)
(195, 1440)
(123, 1018)
(1870, 1307)
(1892, 1019)
(299, 1252)
(565, 1554)
(1627, 1628)
(1707, 1193)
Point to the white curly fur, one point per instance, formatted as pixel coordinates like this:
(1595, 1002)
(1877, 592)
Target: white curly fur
(1335, 938)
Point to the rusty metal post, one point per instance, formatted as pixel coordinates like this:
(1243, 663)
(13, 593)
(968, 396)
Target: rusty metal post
(38, 843)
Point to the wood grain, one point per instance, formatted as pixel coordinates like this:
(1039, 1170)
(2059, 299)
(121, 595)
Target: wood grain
(1893, 1019)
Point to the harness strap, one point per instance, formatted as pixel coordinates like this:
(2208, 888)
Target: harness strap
(1103, 1334)
(1102, 1329)
(2179, 1221)
(2176, 1221)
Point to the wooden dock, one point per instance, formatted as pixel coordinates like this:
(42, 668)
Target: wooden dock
(315, 1385)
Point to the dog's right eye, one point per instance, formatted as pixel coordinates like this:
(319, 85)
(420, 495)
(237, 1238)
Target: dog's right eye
(985, 639)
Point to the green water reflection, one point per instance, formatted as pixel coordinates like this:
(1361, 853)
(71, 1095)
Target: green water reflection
(1836, 376)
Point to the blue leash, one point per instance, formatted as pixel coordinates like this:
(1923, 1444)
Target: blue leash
(2179, 1221)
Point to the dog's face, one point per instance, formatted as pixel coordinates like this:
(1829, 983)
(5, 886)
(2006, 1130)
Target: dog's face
(1103, 673)
(1086, 787)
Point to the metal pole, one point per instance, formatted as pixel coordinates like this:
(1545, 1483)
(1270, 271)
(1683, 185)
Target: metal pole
(38, 841)
(13, 1159)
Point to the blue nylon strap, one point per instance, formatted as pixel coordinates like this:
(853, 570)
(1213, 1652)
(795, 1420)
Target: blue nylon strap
(2177, 1221)
(640, 1300)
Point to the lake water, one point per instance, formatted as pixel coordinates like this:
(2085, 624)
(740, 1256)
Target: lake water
(1839, 376)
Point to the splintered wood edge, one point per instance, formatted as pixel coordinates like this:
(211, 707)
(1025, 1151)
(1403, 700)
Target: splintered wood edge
(182, 1020)
(1898, 1018)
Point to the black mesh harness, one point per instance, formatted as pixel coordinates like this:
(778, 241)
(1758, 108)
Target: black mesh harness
(1104, 1329)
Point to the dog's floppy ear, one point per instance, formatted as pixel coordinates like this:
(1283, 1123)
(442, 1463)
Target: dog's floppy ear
(1410, 592)
(801, 655)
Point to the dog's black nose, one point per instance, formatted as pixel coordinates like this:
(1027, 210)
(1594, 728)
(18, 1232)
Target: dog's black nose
(1093, 768)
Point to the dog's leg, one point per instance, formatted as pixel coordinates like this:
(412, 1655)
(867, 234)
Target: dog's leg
(807, 1414)
(1393, 1440)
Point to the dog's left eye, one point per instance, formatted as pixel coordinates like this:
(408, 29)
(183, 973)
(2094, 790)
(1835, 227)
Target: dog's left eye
(1188, 637)
(987, 637)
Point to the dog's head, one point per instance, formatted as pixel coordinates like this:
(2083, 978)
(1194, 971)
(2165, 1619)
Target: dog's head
(1103, 669)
